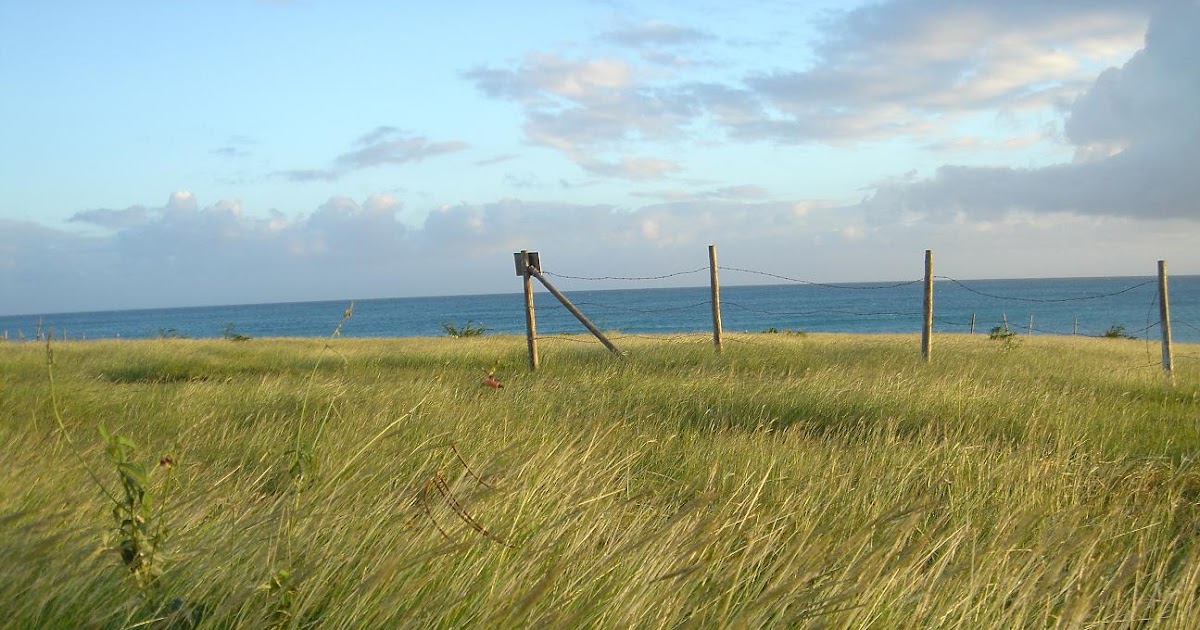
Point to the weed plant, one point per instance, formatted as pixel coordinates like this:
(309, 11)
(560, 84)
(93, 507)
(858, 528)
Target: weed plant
(790, 481)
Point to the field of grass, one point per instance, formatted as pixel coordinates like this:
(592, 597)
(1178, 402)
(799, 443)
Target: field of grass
(792, 481)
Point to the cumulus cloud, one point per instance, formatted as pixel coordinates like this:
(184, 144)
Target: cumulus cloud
(188, 253)
(383, 145)
(1136, 130)
(185, 252)
(905, 68)
(899, 68)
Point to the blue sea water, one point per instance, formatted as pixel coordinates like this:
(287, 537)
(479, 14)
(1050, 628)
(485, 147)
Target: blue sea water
(1062, 306)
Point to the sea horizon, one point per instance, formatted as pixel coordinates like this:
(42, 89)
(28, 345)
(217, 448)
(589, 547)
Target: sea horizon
(723, 286)
(1093, 306)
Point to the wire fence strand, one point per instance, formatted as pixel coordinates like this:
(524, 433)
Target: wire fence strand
(858, 287)
(1080, 298)
(618, 307)
(821, 312)
(627, 278)
(847, 311)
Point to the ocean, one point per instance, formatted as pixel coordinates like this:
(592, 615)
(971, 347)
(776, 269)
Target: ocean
(1055, 306)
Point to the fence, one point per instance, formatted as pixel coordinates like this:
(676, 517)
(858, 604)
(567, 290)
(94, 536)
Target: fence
(876, 304)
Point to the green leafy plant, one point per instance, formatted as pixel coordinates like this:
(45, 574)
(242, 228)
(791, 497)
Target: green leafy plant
(141, 530)
(469, 329)
(281, 589)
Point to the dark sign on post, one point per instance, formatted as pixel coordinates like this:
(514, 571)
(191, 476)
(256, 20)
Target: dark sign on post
(534, 261)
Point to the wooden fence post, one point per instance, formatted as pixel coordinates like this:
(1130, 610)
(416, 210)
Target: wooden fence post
(530, 319)
(716, 296)
(972, 323)
(1164, 316)
(927, 325)
(1031, 324)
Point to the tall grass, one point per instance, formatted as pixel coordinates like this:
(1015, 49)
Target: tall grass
(823, 480)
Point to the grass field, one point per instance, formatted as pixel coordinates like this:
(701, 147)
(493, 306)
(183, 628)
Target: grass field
(792, 481)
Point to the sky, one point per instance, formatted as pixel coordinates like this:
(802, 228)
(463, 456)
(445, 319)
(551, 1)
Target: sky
(160, 154)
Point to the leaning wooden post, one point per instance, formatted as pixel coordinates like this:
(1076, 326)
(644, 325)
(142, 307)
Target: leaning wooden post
(524, 266)
(587, 323)
(972, 323)
(927, 326)
(1164, 316)
(716, 296)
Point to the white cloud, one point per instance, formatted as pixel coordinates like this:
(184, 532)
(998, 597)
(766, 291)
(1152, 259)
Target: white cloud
(344, 249)
(900, 68)
(1137, 137)
(585, 106)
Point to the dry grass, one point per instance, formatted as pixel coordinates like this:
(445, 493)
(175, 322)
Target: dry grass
(825, 480)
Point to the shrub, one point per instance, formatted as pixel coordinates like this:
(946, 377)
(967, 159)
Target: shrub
(775, 331)
(230, 333)
(469, 329)
(1117, 331)
(1001, 333)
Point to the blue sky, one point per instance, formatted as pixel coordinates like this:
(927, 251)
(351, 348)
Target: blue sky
(187, 153)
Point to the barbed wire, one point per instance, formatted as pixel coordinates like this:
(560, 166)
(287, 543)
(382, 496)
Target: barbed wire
(588, 339)
(1132, 368)
(1021, 328)
(618, 307)
(1081, 298)
(690, 337)
(739, 340)
(1185, 324)
(819, 311)
(1150, 318)
(821, 284)
(631, 278)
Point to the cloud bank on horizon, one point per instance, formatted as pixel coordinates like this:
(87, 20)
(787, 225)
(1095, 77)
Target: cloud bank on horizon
(1016, 139)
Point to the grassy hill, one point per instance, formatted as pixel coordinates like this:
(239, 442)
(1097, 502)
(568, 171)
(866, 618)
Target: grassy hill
(792, 481)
